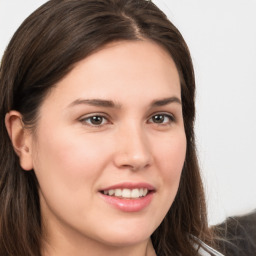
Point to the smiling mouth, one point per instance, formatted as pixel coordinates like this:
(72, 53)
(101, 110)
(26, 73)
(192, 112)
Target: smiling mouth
(127, 193)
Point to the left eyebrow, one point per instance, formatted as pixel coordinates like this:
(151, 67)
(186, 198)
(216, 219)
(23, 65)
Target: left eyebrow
(165, 101)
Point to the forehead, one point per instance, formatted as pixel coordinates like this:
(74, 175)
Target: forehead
(121, 70)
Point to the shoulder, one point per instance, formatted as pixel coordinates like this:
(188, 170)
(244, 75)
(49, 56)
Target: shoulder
(206, 250)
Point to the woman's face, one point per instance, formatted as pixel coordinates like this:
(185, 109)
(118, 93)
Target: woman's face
(110, 145)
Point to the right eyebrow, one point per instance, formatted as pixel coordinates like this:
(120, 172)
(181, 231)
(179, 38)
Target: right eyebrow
(95, 102)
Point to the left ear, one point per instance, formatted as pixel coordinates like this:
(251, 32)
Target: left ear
(21, 138)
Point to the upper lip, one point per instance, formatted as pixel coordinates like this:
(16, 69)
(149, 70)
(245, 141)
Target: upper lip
(130, 185)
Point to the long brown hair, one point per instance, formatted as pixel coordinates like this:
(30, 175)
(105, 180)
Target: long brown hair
(43, 50)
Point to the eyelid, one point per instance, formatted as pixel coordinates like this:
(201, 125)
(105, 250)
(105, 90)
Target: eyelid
(166, 114)
(84, 118)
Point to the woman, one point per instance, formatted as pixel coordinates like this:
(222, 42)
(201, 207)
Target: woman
(97, 141)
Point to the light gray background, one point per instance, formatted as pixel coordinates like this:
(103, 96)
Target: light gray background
(221, 35)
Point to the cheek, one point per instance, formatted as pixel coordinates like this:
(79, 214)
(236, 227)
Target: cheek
(67, 171)
(65, 168)
(66, 155)
(171, 154)
(171, 157)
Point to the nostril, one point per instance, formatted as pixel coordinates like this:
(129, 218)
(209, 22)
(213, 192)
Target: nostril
(135, 167)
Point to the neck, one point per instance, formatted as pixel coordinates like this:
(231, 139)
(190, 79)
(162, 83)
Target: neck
(65, 248)
(70, 243)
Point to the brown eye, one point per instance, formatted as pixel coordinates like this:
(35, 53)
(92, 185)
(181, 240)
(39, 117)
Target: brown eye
(158, 119)
(161, 119)
(94, 120)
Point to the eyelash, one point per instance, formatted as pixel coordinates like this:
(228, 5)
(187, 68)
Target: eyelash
(89, 120)
(170, 118)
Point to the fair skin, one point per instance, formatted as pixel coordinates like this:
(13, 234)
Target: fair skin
(114, 122)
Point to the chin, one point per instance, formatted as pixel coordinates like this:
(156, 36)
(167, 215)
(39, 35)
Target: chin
(126, 237)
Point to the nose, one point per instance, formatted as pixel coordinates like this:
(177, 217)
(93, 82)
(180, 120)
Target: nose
(133, 150)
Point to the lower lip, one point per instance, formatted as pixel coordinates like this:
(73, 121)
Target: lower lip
(129, 205)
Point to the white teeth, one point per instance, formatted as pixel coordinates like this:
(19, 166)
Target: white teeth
(118, 192)
(111, 192)
(135, 193)
(127, 193)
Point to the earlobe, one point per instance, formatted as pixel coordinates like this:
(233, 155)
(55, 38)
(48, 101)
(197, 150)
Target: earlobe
(20, 138)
